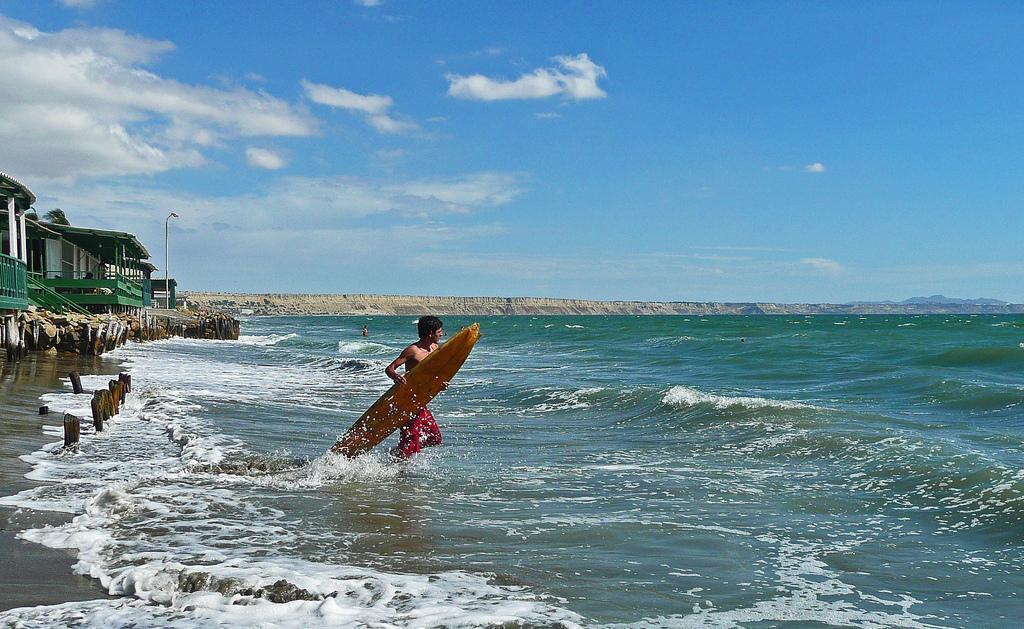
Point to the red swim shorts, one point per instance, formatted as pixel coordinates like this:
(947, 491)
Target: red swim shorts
(416, 434)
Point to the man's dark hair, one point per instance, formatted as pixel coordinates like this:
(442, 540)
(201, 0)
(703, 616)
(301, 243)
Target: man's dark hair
(427, 325)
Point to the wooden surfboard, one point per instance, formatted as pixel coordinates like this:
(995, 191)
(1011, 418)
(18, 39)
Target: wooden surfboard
(403, 401)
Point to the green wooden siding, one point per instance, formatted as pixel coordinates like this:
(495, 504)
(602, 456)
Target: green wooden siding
(13, 284)
(119, 291)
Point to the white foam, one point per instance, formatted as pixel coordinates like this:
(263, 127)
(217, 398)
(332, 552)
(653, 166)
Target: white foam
(555, 400)
(270, 339)
(163, 523)
(363, 347)
(811, 592)
(688, 397)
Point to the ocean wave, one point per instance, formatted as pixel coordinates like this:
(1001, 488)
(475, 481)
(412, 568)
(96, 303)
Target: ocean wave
(960, 490)
(552, 400)
(363, 347)
(270, 339)
(688, 397)
(345, 365)
(969, 356)
(811, 593)
(669, 341)
(284, 472)
(971, 396)
(299, 594)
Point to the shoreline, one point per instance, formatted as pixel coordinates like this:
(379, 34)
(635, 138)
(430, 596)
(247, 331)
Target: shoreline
(33, 574)
(283, 304)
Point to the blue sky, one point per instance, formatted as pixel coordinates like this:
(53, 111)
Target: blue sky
(786, 151)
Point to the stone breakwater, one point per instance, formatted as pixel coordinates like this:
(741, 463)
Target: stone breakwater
(44, 331)
(283, 304)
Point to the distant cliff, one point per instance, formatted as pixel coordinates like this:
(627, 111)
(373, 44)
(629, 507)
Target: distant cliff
(279, 304)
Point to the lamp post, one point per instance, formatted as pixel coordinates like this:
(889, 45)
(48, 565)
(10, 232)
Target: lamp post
(167, 256)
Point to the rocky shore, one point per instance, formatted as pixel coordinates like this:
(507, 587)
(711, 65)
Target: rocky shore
(44, 331)
(282, 304)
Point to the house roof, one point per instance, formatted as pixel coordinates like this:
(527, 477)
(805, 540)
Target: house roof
(11, 187)
(101, 242)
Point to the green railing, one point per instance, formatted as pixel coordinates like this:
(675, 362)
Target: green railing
(13, 284)
(118, 290)
(44, 297)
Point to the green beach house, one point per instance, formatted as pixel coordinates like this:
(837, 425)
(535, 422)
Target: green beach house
(63, 267)
(96, 269)
(15, 199)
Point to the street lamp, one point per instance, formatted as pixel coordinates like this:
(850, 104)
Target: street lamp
(167, 255)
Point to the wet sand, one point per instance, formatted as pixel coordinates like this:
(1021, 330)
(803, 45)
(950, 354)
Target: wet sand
(32, 574)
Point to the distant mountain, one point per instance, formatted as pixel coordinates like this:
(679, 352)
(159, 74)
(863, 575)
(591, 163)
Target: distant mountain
(936, 300)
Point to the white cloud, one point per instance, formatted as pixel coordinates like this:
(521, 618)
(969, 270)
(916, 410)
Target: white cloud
(574, 78)
(816, 167)
(264, 158)
(374, 106)
(320, 203)
(822, 265)
(386, 124)
(368, 3)
(344, 99)
(85, 105)
(547, 115)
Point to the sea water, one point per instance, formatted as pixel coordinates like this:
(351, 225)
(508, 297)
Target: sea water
(595, 471)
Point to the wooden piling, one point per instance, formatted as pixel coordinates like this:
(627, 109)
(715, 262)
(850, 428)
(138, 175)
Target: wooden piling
(22, 343)
(8, 335)
(72, 429)
(44, 410)
(126, 378)
(115, 397)
(101, 335)
(76, 382)
(98, 410)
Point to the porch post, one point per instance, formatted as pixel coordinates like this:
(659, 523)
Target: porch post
(12, 235)
(24, 239)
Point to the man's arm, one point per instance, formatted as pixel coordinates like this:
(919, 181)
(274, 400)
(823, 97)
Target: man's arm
(390, 370)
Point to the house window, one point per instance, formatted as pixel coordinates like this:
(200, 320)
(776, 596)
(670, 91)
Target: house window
(67, 260)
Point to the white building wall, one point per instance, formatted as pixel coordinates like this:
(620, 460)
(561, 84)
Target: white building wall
(52, 255)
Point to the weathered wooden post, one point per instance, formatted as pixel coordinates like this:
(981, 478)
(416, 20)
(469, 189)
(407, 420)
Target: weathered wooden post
(97, 410)
(126, 378)
(101, 337)
(44, 410)
(76, 382)
(72, 429)
(114, 396)
(8, 337)
(22, 344)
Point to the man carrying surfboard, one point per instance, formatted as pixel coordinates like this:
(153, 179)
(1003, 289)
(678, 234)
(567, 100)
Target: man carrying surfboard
(420, 431)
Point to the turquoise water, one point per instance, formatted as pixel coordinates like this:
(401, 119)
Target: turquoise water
(655, 471)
